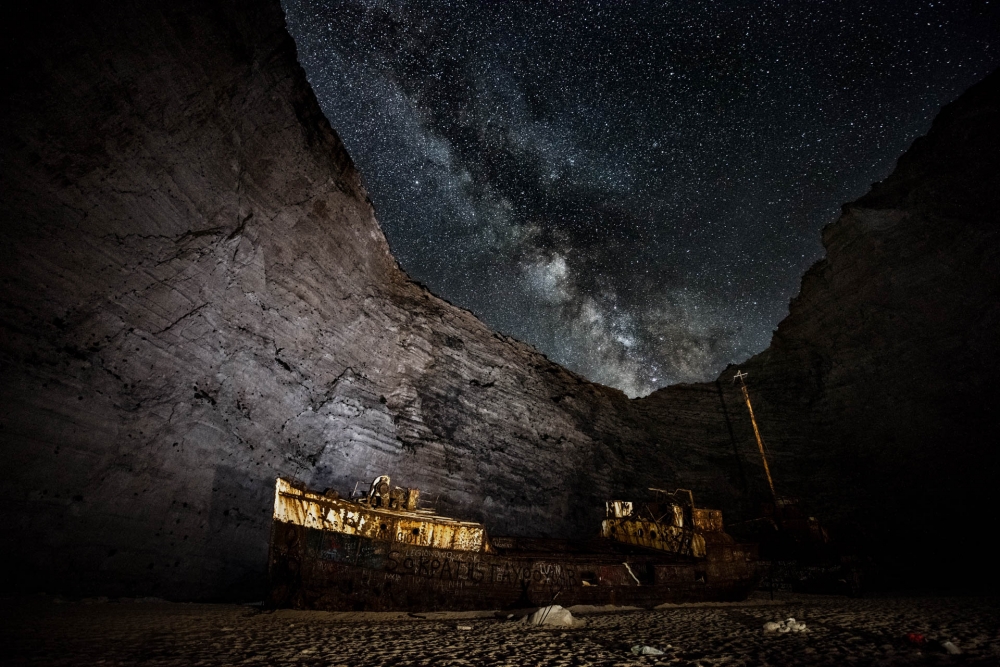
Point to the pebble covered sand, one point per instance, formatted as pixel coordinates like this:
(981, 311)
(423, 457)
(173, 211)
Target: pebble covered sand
(840, 631)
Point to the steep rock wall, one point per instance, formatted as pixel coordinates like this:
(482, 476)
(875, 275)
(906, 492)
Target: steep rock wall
(878, 396)
(197, 298)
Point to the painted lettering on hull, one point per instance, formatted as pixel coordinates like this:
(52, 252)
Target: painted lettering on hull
(355, 550)
(487, 569)
(313, 569)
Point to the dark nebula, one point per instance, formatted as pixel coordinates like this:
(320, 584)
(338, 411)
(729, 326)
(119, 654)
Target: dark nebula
(634, 188)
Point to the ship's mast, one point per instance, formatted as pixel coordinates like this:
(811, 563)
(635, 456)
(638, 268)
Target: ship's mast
(756, 431)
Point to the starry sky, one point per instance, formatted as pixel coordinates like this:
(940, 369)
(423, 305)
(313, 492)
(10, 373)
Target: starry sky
(635, 188)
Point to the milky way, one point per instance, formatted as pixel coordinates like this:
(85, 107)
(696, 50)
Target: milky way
(633, 188)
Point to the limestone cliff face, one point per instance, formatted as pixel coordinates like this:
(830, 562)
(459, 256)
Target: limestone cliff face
(197, 298)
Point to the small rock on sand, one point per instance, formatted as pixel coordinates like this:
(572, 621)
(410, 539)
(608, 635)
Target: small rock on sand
(554, 615)
(646, 650)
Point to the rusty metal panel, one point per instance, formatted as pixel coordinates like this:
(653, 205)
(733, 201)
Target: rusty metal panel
(674, 574)
(619, 509)
(312, 510)
(678, 517)
(669, 522)
(663, 537)
(615, 575)
(708, 520)
(698, 548)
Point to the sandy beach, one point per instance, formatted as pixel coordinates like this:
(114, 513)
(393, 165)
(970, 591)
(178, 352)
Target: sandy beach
(49, 631)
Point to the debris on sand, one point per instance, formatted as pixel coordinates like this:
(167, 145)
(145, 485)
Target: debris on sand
(638, 649)
(787, 625)
(555, 615)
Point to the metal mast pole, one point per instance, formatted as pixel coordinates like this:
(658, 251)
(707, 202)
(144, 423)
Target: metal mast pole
(756, 431)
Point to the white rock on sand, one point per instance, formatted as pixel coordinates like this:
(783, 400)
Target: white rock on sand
(951, 648)
(555, 615)
(639, 649)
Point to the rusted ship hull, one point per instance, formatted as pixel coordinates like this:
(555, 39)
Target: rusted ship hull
(311, 568)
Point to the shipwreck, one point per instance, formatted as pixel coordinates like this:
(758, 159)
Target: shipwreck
(380, 552)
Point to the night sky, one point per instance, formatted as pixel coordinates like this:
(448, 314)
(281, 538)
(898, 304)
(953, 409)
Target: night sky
(634, 188)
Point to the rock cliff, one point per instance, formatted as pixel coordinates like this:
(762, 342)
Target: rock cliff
(197, 298)
(878, 394)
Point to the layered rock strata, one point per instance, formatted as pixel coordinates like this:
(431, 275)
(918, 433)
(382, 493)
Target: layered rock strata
(197, 298)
